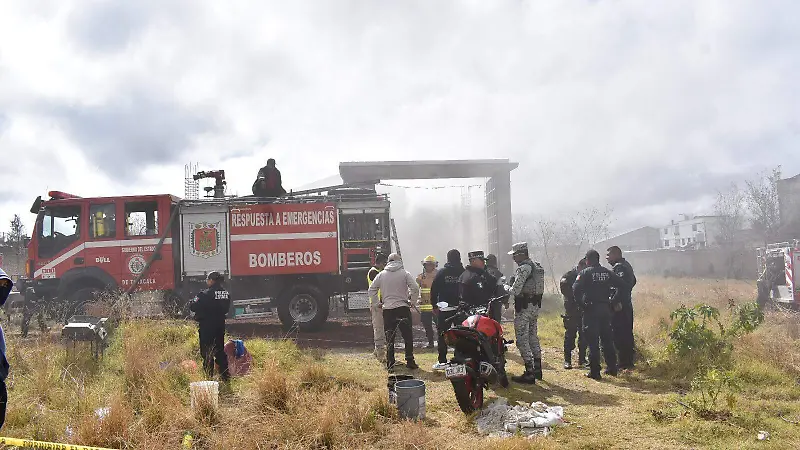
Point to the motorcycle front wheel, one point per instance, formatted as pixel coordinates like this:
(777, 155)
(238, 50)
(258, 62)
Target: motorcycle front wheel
(469, 393)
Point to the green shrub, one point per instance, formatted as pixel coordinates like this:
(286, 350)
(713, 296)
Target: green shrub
(710, 384)
(699, 338)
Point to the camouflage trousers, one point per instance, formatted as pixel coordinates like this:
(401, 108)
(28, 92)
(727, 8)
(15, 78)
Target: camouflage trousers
(526, 326)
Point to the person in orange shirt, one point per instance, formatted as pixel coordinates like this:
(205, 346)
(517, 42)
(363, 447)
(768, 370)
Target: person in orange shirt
(424, 280)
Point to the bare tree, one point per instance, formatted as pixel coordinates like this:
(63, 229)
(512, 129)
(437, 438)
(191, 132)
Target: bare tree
(522, 228)
(730, 208)
(762, 200)
(589, 226)
(17, 232)
(16, 240)
(547, 236)
(557, 241)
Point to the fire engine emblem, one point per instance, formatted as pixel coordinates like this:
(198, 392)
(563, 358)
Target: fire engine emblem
(136, 264)
(204, 239)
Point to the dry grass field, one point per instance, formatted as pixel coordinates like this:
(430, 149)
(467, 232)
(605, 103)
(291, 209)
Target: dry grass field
(297, 399)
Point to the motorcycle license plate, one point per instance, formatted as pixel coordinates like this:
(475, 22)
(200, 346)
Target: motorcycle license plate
(455, 371)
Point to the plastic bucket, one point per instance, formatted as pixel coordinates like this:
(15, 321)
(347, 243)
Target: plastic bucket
(393, 379)
(204, 393)
(411, 399)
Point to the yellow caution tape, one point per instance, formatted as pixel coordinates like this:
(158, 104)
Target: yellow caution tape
(26, 443)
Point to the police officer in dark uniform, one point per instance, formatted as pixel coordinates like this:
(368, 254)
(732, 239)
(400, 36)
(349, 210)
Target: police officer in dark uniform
(573, 318)
(476, 286)
(445, 289)
(210, 307)
(496, 312)
(593, 287)
(622, 323)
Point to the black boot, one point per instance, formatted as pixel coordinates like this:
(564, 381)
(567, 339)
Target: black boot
(567, 360)
(537, 368)
(527, 377)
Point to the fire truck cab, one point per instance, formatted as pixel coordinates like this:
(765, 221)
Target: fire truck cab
(777, 265)
(286, 256)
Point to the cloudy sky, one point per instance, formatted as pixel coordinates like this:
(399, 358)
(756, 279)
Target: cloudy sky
(649, 106)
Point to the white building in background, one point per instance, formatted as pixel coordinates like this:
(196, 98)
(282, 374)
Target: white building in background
(692, 232)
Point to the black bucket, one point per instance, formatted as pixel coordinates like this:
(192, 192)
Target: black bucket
(393, 379)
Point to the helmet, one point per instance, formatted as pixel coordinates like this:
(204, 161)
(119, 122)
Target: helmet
(430, 259)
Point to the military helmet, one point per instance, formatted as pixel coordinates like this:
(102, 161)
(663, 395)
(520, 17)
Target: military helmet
(478, 254)
(519, 248)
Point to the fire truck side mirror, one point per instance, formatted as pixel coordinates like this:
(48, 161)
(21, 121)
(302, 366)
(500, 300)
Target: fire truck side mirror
(37, 205)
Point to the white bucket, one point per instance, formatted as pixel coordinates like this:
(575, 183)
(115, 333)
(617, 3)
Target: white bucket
(204, 393)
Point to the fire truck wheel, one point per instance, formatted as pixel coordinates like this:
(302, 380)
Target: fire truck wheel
(303, 306)
(76, 303)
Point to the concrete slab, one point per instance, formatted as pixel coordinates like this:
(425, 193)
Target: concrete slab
(355, 171)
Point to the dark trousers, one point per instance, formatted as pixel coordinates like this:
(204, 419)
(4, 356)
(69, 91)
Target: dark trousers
(496, 311)
(212, 347)
(442, 325)
(623, 334)
(426, 317)
(573, 329)
(597, 324)
(3, 402)
(394, 320)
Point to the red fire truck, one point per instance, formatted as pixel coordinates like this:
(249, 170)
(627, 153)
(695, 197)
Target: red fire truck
(289, 255)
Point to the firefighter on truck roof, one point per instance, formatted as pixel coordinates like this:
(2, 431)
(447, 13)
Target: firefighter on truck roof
(425, 280)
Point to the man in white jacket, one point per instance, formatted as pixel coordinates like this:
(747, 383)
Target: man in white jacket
(397, 286)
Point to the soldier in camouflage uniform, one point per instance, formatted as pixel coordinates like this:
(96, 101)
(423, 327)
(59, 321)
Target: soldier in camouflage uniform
(526, 289)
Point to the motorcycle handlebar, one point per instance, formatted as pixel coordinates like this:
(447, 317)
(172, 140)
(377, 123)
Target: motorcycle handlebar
(464, 310)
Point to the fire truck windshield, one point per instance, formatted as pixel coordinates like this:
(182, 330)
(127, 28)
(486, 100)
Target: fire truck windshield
(59, 227)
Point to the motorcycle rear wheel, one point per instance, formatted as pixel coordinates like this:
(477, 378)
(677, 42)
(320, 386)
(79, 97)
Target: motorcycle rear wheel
(469, 394)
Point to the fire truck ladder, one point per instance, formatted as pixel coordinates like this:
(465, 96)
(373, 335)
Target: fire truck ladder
(331, 188)
(394, 238)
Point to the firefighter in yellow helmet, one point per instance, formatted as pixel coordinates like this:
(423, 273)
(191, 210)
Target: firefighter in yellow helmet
(424, 280)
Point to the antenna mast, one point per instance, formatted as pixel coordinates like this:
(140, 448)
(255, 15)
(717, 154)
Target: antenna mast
(191, 186)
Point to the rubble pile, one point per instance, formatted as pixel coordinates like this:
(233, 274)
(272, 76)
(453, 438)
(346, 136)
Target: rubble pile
(501, 420)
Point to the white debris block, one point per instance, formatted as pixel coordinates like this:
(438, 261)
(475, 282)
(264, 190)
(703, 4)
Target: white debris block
(501, 420)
